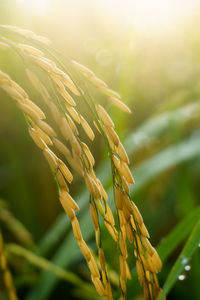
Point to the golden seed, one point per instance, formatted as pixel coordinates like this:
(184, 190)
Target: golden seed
(98, 82)
(127, 202)
(46, 127)
(72, 124)
(112, 230)
(140, 272)
(125, 171)
(13, 93)
(85, 249)
(156, 260)
(128, 273)
(61, 181)
(125, 185)
(73, 113)
(51, 158)
(83, 69)
(112, 135)
(118, 197)
(102, 259)
(110, 93)
(65, 171)
(127, 214)
(92, 186)
(69, 84)
(66, 129)
(122, 153)
(62, 148)
(147, 245)
(102, 191)
(133, 223)
(129, 232)
(106, 119)
(93, 267)
(67, 200)
(123, 285)
(36, 138)
(76, 229)
(98, 285)
(99, 206)
(19, 89)
(109, 215)
(43, 136)
(95, 124)
(88, 130)
(34, 107)
(121, 217)
(40, 61)
(88, 154)
(116, 162)
(66, 96)
(136, 213)
(29, 111)
(122, 267)
(139, 244)
(121, 105)
(30, 50)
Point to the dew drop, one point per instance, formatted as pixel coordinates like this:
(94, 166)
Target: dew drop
(187, 268)
(184, 261)
(199, 245)
(181, 277)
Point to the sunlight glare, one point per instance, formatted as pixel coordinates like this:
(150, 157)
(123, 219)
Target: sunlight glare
(36, 7)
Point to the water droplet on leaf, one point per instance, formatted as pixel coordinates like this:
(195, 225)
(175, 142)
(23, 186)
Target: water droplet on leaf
(187, 268)
(181, 277)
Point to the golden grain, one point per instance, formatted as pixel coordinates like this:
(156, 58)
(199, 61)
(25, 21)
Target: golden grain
(85, 249)
(122, 153)
(47, 128)
(67, 200)
(121, 105)
(112, 135)
(88, 130)
(76, 228)
(98, 285)
(93, 267)
(94, 215)
(72, 124)
(106, 119)
(34, 107)
(51, 158)
(62, 148)
(83, 69)
(30, 50)
(36, 138)
(64, 170)
(73, 113)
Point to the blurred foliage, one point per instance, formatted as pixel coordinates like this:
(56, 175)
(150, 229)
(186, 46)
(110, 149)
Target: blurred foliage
(158, 76)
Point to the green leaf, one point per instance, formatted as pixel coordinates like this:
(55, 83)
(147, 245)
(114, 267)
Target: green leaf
(182, 260)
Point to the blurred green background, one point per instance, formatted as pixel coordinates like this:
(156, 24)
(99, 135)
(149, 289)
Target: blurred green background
(149, 52)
